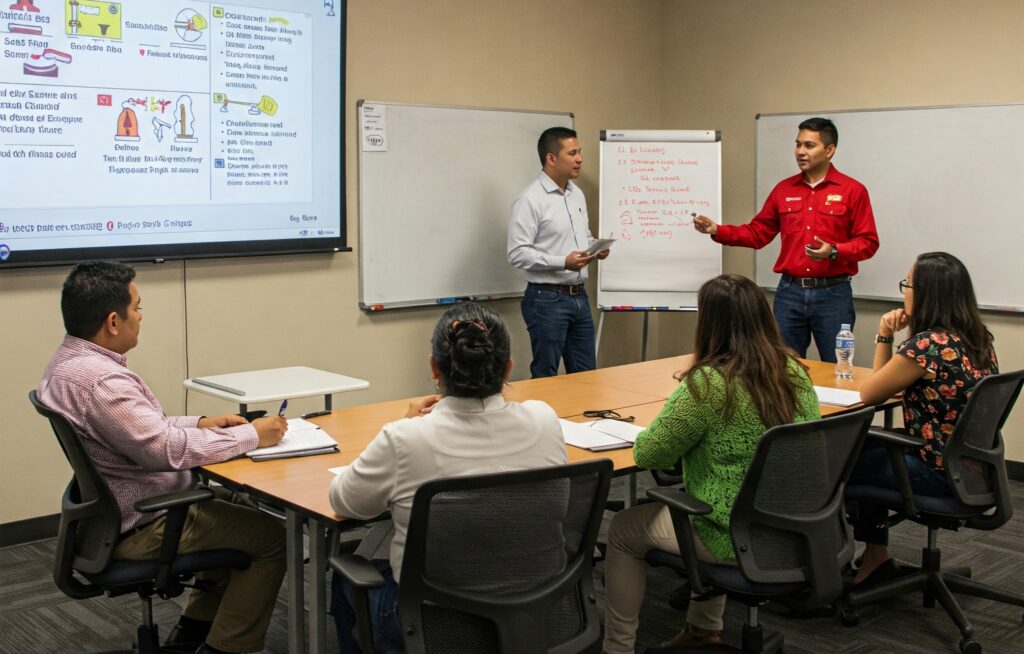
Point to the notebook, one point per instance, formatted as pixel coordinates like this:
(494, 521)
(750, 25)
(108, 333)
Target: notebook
(303, 438)
(600, 435)
(837, 396)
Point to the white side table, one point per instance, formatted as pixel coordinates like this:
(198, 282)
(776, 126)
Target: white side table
(274, 384)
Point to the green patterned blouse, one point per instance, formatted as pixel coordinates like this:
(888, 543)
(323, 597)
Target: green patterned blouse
(715, 453)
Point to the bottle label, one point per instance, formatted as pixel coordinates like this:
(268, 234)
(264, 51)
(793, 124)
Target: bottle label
(844, 343)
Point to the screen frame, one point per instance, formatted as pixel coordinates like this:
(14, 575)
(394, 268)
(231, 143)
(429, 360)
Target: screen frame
(160, 253)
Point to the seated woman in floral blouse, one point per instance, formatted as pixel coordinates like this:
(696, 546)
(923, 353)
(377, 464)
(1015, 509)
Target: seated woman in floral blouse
(948, 352)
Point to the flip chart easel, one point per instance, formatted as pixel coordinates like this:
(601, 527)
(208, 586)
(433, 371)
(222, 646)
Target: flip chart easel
(652, 183)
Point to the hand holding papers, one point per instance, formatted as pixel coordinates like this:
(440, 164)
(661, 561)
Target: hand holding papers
(599, 244)
(600, 435)
(303, 438)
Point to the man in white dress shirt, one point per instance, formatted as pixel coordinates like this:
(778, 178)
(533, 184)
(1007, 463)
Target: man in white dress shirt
(548, 237)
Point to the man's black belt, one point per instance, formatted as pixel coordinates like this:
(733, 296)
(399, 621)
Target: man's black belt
(816, 282)
(571, 289)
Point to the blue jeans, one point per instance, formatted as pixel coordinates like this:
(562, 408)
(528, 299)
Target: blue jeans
(560, 327)
(802, 312)
(873, 469)
(387, 632)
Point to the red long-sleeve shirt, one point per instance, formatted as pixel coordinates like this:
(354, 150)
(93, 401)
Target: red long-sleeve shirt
(837, 209)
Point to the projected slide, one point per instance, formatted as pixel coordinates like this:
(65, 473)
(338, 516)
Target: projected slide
(136, 123)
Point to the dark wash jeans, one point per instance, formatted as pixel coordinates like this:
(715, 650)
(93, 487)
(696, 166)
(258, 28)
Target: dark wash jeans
(873, 469)
(560, 327)
(387, 632)
(803, 312)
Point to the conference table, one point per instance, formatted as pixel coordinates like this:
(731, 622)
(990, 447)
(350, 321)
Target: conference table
(299, 486)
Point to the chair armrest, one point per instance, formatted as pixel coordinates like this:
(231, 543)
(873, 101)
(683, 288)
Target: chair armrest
(895, 442)
(896, 437)
(361, 576)
(171, 500)
(682, 505)
(176, 505)
(357, 571)
(675, 498)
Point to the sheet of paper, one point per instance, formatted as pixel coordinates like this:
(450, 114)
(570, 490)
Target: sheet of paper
(620, 429)
(336, 471)
(584, 435)
(298, 424)
(837, 396)
(373, 127)
(297, 439)
(600, 244)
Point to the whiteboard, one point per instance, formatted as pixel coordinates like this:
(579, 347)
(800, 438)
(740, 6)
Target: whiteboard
(435, 187)
(940, 178)
(652, 181)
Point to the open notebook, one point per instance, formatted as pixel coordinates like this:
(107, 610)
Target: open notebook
(600, 435)
(303, 438)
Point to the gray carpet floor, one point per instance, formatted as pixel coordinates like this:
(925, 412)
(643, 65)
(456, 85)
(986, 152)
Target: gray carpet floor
(36, 617)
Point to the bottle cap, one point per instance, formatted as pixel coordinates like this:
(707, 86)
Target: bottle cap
(845, 327)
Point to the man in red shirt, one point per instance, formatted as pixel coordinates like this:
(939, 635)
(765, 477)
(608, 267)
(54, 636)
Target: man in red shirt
(827, 226)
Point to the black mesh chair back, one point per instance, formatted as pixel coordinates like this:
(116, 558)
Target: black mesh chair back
(973, 455)
(90, 527)
(787, 523)
(90, 520)
(503, 562)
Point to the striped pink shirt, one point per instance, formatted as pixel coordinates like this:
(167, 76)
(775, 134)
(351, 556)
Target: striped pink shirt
(139, 451)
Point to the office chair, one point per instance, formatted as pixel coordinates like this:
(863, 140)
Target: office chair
(788, 525)
(976, 470)
(496, 563)
(90, 525)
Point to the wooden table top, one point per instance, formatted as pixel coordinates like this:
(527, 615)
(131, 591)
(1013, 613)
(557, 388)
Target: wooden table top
(638, 389)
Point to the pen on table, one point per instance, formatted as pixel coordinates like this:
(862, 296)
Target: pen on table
(316, 414)
(284, 405)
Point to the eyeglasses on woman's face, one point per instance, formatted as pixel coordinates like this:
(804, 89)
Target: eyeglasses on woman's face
(904, 285)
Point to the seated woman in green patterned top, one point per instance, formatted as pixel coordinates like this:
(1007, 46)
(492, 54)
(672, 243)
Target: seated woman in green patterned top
(714, 422)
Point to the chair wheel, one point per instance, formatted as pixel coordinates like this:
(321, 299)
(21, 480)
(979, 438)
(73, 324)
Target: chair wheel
(679, 598)
(970, 646)
(849, 617)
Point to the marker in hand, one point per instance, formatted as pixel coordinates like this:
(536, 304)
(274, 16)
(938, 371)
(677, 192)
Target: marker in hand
(284, 405)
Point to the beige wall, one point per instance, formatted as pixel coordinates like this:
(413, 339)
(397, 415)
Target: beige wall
(727, 61)
(641, 64)
(598, 60)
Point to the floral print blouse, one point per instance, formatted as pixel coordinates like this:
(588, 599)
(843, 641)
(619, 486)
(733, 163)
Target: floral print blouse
(931, 406)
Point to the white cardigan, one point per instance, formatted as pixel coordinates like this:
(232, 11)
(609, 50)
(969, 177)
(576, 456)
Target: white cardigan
(460, 436)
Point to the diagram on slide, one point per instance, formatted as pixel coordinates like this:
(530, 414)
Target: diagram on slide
(16, 27)
(190, 26)
(101, 20)
(131, 100)
(266, 105)
(48, 58)
(127, 123)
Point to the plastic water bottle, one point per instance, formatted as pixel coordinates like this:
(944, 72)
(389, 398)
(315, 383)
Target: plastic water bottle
(844, 352)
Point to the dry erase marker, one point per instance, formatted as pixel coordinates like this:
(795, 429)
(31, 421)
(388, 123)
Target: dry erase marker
(316, 414)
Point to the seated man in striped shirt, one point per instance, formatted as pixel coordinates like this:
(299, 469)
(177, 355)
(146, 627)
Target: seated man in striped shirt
(142, 452)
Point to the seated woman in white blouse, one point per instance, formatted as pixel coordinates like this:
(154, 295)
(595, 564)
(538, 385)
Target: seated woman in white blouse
(469, 428)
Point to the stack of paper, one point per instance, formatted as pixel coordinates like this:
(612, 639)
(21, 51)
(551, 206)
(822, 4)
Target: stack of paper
(600, 435)
(303, 438)
(837, 396)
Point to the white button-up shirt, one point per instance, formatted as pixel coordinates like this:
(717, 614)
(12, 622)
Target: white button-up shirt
(547, 224)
